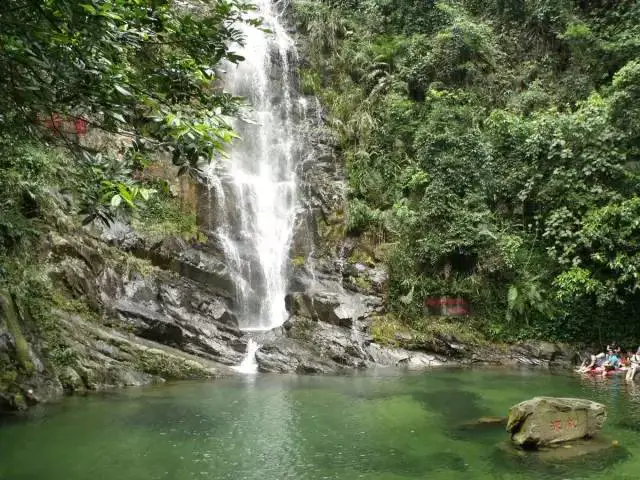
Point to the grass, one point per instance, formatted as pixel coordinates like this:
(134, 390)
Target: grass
(385, 330)
(389, 330)
(127, 264)
(360, 256)
(73, 305)
(310, 82)
(462, 329)
(157, 362)
(164, 215)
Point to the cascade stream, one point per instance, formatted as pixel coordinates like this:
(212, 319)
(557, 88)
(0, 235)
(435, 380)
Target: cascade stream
(253, 193)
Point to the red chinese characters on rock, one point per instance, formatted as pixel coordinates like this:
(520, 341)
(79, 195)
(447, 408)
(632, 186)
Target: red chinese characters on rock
(52, 122)
(447, 306)
(556, 425)
(572, 424)
(63, 125)
(80, 126)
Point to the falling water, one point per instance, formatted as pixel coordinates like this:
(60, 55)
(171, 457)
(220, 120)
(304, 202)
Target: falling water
(255, 190)
(249, 363)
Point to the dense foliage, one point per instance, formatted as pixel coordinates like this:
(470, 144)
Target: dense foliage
(495, 145)
(94, 93)
(138, 70)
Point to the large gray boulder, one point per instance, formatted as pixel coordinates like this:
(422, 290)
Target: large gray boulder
(337, 308)
(544, 421)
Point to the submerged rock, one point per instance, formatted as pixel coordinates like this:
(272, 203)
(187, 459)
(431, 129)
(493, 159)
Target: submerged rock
(544, 421)
(596, 454)
(485, 422)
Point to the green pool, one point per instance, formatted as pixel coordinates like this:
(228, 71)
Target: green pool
(385, 426)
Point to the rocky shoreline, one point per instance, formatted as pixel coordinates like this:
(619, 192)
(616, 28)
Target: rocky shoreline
(165, 314)
(133, 311)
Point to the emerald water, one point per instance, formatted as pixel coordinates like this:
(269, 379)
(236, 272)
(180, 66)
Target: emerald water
(388, 426)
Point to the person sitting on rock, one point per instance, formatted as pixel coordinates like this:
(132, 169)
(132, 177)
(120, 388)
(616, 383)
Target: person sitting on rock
(625, 360)
(611, 362)
(594, 362)
(614, 348)
(634, 364)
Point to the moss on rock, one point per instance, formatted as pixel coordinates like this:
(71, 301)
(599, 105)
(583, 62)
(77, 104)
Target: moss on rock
(385, 330)
(9, 316)
(158, 362)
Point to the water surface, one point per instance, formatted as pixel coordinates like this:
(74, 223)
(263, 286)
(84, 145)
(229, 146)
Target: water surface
(387, 426)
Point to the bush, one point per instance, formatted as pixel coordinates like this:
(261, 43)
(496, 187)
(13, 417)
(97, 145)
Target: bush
(164, 215)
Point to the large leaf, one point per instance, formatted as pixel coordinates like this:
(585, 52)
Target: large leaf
(116, 200)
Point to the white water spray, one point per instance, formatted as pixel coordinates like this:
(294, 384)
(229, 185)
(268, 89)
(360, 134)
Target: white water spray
(255, 198)
(249, 363)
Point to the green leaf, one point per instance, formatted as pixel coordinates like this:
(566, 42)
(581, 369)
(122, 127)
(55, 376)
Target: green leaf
(125, 194)
(111, 15)
(180, 132)
(146, 193)
(117, 116)
(116, 200)
(88, 219)
(89, 8)
(123, 90)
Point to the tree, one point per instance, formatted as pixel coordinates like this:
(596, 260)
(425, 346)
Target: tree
(143, 68)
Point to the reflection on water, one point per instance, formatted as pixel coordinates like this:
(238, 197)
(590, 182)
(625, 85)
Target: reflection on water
(264, 427)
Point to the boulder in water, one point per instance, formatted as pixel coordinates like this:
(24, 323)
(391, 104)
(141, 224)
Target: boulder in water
(544, 421)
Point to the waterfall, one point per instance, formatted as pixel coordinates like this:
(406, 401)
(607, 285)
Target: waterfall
(249, 363)
(255, 196)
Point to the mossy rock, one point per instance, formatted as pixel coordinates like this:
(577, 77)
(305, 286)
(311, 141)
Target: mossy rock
(483, 422)
(386, 330)
(362, 283)
(383, 251)
(545, 421)
(298, 261)
(10, 319)
(162, 364)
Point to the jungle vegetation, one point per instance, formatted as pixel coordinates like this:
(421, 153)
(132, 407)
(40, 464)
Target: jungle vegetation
(494, 145)
(141, 75)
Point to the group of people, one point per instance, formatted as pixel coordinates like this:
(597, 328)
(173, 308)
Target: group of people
(613, 360)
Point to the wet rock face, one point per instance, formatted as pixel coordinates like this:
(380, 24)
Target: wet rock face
(179, 313)
(184, 330)
(106, 358)
(530, 354)
(201, 264)
(539, 353)
(544, 421)
(288, 356)
(308, 346)
(327, 332)
(166, 311)
(337, 308)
